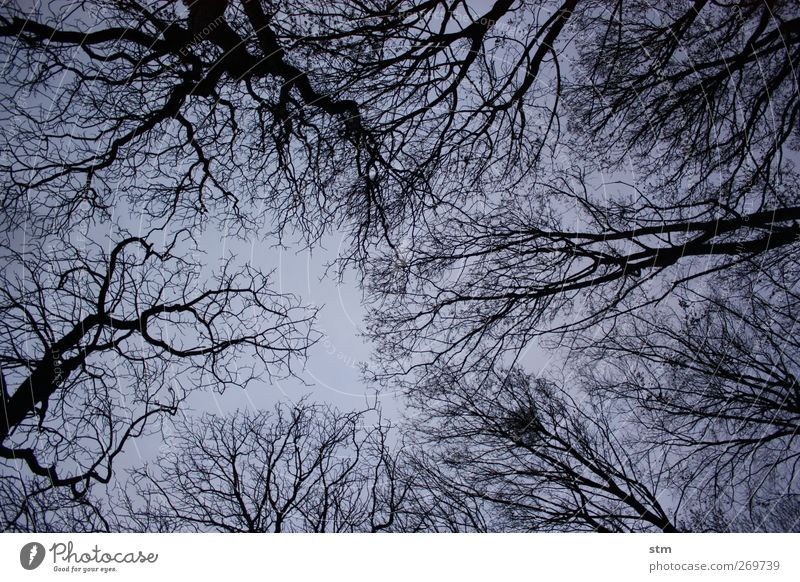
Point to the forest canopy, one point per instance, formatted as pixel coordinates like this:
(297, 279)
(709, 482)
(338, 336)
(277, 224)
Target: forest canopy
(612, 184)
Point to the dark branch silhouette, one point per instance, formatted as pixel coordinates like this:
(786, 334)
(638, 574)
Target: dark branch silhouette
(97, 345)
(613, 181)
(301, 467)
(539, 458)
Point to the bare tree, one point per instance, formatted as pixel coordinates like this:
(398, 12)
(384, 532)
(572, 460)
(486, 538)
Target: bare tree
(715, 379)
(34, 505)
(484, 286)
(678, 162)
(556, 169)
(98, 344)
(425, 126)
(684, 417)
(677, 173)
(539, 459)
(703, 95)
(362, 114)
(302, 467)
(780, 515)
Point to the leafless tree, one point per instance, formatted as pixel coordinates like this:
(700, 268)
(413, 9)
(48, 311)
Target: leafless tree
(485, 289)
(98, 343)
(539, 458)
(679, 162)
(31, 505)
(715, 379)
(537, 170)
(677, 175)
(301, 467)
(362, 114)
(430, 126)
(778, 516)
(684, 417)
(703, 94)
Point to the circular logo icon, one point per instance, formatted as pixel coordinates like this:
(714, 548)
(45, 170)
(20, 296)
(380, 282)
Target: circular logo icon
(31, 555)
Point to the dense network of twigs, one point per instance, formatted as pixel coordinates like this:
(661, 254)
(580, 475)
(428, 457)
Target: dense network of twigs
(615, 182)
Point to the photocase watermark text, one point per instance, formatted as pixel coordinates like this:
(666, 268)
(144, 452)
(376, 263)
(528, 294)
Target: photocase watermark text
(65, 553)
